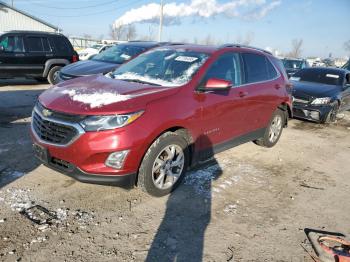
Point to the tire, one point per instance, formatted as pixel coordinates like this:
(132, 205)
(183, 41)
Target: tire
(275, 126)
(156, 165)
(332, 115)
(52, 75)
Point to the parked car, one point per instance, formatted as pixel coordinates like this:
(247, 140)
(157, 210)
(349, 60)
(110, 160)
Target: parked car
(106, 61)
(160, 113)
(320, 93)
(347, 65)
(87, 53)
(293, 65)
(31, 54)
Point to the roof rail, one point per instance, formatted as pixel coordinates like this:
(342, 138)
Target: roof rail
(245, 46)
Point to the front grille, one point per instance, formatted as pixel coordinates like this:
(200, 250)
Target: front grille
(52, 132)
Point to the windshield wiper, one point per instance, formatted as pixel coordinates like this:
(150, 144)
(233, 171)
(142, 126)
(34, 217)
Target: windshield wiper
(139, 81)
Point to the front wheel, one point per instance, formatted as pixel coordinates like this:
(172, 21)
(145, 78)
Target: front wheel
(164, 165)
(273, 131)
(332, 115)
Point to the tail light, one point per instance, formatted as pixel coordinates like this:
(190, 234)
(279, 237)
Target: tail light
(75, 58)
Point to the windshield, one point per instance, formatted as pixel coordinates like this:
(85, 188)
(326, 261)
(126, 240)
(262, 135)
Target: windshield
(347, 65)
(292, 64)
(119, 54)
(163, 67)
(318, 76)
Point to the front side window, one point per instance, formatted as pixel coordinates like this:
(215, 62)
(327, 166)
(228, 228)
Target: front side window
(164, 67)
(257, 68)
(12, 44)
(226, 67)
(119, 54)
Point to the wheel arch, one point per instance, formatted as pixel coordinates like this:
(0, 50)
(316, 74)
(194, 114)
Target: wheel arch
(54, 62)
(183, 131)
(286, 108)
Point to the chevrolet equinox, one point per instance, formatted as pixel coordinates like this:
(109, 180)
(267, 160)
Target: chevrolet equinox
(153, 118)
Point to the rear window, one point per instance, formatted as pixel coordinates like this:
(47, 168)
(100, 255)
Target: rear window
(257, 68)
(12, 44)
(327, 77)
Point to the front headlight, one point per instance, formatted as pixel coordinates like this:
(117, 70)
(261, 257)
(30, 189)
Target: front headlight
(321, 101)
(99, 123)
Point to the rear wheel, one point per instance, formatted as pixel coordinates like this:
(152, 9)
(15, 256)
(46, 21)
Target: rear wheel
(273, 131)
(52, 76)
(164, 165)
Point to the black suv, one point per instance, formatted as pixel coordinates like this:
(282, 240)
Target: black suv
(31, 54)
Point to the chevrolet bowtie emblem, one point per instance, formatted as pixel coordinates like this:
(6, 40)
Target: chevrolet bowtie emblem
(46, 112)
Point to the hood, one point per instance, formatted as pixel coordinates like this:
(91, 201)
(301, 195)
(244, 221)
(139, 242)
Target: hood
(101, 95)
(88, 67)
(314, 89)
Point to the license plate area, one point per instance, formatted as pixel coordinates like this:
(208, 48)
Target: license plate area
(41, 153)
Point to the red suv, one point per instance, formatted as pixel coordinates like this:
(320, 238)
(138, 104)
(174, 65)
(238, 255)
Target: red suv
(161, 113)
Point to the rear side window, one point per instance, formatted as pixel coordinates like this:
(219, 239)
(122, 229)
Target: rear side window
(12, 44)
(35, 44)
(61, 45)
(257, 68)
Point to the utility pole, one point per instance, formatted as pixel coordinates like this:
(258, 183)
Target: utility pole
(160, 21)
(12, 3)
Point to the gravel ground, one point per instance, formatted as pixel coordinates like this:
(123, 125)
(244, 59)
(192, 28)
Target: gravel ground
(249, 204)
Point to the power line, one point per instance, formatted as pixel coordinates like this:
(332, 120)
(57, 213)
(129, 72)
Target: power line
(74, 8)
(91, 14)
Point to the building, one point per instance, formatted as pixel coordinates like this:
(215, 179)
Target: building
(13, 19)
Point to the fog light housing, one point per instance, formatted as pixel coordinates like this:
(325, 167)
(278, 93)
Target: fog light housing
(116, 159)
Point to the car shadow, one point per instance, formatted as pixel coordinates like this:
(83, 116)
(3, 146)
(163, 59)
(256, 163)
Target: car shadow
(16, 155)
(20, 82)
(180, 236)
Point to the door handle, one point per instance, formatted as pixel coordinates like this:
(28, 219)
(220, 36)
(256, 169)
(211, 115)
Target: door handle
(49, 55)
(19, 55)
(242, 94)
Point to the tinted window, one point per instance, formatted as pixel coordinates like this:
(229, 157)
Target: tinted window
(328, 77)
(293, 64)
(34, 44)
(12, 44)
(257, 68)
(60, 45)
(227, 67)
(46, 44)
(119, 54)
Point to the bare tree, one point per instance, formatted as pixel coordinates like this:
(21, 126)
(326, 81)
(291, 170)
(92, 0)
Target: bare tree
(87, 36)
(246, 40)
(209, 40)
(296, 48)
(347, 46)
(117, 32)
(130, 32)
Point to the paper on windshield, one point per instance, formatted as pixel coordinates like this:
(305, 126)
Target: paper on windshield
(332, 76)
(125, 56)
(188, 59)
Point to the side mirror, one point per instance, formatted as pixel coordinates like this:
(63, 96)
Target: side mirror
(215, 84)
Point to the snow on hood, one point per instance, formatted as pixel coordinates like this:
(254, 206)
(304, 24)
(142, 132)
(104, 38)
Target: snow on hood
(98, 99)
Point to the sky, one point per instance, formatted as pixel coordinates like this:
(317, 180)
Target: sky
(323, 25)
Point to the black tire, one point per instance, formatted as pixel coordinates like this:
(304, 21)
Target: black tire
(52, 75)
(265, 141)
(145, 175)
(332, 115)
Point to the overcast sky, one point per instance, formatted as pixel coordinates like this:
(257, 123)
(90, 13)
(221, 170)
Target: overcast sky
(322, 24)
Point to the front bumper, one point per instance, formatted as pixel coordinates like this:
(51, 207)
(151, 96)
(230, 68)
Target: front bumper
(315, 113)
(125, 181)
